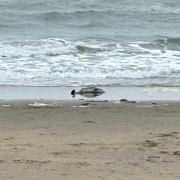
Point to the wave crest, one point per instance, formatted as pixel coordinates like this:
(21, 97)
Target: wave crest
(67, 62)
(166, 43)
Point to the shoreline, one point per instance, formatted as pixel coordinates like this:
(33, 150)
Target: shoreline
(135, 93)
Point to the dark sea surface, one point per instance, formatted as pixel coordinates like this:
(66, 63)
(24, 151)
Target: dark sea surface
(83, 42)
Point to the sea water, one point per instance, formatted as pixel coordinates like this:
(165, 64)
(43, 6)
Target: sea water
(85, 42)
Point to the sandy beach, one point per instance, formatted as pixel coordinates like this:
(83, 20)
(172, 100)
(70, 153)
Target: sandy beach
(89, 140)
(89, 90)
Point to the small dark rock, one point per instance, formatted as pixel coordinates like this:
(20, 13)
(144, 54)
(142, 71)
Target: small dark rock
(85, 104)
(177, 153)
(123, 100)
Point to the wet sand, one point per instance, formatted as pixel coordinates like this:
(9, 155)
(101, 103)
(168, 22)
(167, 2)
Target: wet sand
(89, 140)
(137, 93)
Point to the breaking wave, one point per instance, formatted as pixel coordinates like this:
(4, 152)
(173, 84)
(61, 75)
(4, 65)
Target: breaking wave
(66, 62)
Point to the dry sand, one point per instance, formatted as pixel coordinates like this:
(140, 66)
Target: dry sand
(137, 141)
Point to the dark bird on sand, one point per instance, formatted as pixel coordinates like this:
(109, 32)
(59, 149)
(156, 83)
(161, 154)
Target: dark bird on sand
(88, 92)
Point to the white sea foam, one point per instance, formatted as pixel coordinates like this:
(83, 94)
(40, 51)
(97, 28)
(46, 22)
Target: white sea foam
(5, 105)
(57, 62)
(38, 104)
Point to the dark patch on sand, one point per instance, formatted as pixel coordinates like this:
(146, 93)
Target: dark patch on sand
(30, 161)
(177, 153)
(166, 135)
(89, 122)
(149, 143)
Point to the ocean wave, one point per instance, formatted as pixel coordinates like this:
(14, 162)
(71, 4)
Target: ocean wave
(67, 62)
(164, 43)
(169, 40)
(59, 13)
(94, 18)
(82, 49)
